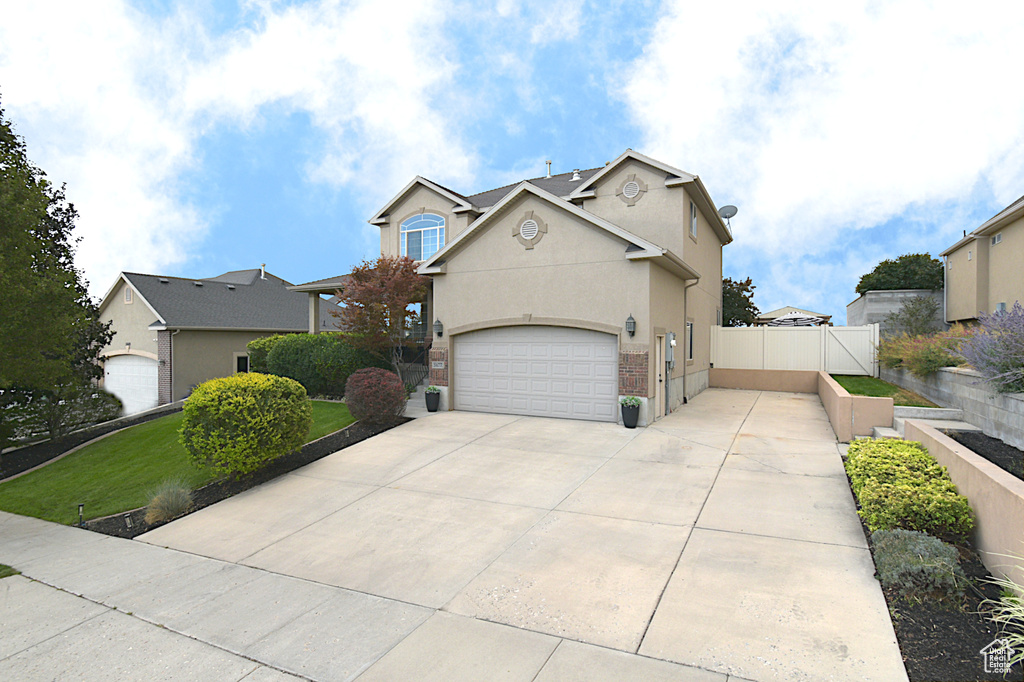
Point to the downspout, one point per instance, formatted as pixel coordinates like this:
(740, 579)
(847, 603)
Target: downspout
(686, 337)
(945, 288)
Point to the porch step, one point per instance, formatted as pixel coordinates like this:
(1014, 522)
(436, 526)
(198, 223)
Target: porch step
(945, 413)
(885, 432)
(898, 424)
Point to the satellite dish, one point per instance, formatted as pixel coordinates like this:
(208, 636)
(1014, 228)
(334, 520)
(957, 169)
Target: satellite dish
(728, 211)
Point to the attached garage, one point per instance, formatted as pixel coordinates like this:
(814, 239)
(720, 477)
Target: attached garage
(133, 379)
(538, 371)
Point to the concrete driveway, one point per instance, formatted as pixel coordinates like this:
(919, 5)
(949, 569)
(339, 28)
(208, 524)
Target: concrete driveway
(721, 543)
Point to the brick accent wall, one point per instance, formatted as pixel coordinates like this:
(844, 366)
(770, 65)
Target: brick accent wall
(439, 377)
(633, 373)
(164, 373)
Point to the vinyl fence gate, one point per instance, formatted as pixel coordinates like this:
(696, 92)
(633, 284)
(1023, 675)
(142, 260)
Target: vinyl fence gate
(836, 350)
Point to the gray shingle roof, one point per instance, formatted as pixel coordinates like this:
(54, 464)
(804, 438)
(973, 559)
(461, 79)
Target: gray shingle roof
(560, 185)
(235, 300)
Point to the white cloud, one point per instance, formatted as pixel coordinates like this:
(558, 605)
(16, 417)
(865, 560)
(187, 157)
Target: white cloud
(113, 103)
(817, 119)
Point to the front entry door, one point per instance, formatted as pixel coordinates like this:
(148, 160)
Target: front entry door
(659, 371)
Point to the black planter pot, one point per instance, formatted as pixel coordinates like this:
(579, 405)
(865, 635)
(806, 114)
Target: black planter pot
(630, 415)
(433, 400)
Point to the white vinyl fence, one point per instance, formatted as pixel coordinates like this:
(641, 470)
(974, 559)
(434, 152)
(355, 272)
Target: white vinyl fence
(836, 350)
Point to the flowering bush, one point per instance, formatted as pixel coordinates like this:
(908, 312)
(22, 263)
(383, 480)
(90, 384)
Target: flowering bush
(375, 396)
(996, 349)
(925, 354)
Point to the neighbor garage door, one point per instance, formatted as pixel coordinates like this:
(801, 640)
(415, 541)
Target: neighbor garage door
(132, 378)
(541, 371)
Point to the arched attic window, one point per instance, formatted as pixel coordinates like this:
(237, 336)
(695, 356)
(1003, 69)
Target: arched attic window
(422, 235)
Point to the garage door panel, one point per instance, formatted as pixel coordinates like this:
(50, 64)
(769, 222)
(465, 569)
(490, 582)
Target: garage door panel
(133, 379)
(552, 372)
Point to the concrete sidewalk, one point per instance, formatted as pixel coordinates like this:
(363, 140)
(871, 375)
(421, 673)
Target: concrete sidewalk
(720, 543)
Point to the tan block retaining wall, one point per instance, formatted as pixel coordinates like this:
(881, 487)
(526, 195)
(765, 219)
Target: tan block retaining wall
(996, 496)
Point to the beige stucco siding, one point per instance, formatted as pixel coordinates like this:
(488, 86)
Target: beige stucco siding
(419, 200)
(1005, 283)
(962, 283)
(130, 322)
(201, 355)
(660, 214)
(576, 271)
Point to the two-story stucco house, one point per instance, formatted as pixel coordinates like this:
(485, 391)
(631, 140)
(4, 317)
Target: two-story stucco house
(558, 295)
(983, 269)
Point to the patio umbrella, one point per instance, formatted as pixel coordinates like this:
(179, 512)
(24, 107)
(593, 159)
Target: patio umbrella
(795, 320)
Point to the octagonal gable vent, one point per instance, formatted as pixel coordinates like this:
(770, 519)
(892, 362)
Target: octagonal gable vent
(528, 229)
(631, 189)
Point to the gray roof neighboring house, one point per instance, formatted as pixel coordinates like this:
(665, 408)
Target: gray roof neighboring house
(239, 300)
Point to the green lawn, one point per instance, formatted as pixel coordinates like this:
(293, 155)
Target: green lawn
(117, 473)
(860, 385)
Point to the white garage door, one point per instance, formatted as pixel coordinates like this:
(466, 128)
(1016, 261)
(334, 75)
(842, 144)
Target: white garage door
(132, 378)
(541, 371)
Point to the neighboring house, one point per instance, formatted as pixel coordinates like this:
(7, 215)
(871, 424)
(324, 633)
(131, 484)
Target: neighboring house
(765, 318)
(173, 333)
(558, 295)
(873, 307)
(983, 270)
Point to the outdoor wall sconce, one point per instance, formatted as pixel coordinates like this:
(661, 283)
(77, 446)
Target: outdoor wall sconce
(630, 325)
(438, 328)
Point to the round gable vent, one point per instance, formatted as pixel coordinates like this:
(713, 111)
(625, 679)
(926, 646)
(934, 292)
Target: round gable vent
(631, 189)
(528, 229)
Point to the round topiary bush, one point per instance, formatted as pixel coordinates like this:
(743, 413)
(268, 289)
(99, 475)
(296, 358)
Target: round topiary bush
(237, 424)
(375, 396)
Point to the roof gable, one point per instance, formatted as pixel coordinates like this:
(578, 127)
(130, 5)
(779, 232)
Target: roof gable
(461, 203)
(636, 247)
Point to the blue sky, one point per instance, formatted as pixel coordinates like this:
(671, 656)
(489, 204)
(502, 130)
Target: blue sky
(200, 136)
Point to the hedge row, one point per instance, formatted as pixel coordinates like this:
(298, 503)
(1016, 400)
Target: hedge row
(322, 363)
(899, 485)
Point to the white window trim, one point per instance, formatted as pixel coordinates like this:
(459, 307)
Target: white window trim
(234, 361)
(693, 220)
(442, 236)
(128, 297)
(997, 238)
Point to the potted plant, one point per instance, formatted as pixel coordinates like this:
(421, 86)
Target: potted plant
(630, 411)
(433, 394)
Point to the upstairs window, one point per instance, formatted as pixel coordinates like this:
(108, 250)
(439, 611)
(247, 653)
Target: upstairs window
(422, 236)
(693, 220)
(996, 238)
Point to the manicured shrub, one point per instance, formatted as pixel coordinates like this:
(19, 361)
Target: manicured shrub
(899, 485)
(996, 349)
(258, 351)
(917, 565)
(169, 500)
(320, 362)
(237, 424)
(375, 396)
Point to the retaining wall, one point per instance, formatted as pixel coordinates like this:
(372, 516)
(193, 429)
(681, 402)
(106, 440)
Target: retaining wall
(1000, 415)
(996, 496)
(850, 415)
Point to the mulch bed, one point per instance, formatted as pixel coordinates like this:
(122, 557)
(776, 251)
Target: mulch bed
(1006, 457)
(220, 490)
(941, 642)
(14, 462)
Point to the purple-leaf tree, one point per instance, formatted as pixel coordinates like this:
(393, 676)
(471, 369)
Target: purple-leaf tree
(996, 349)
